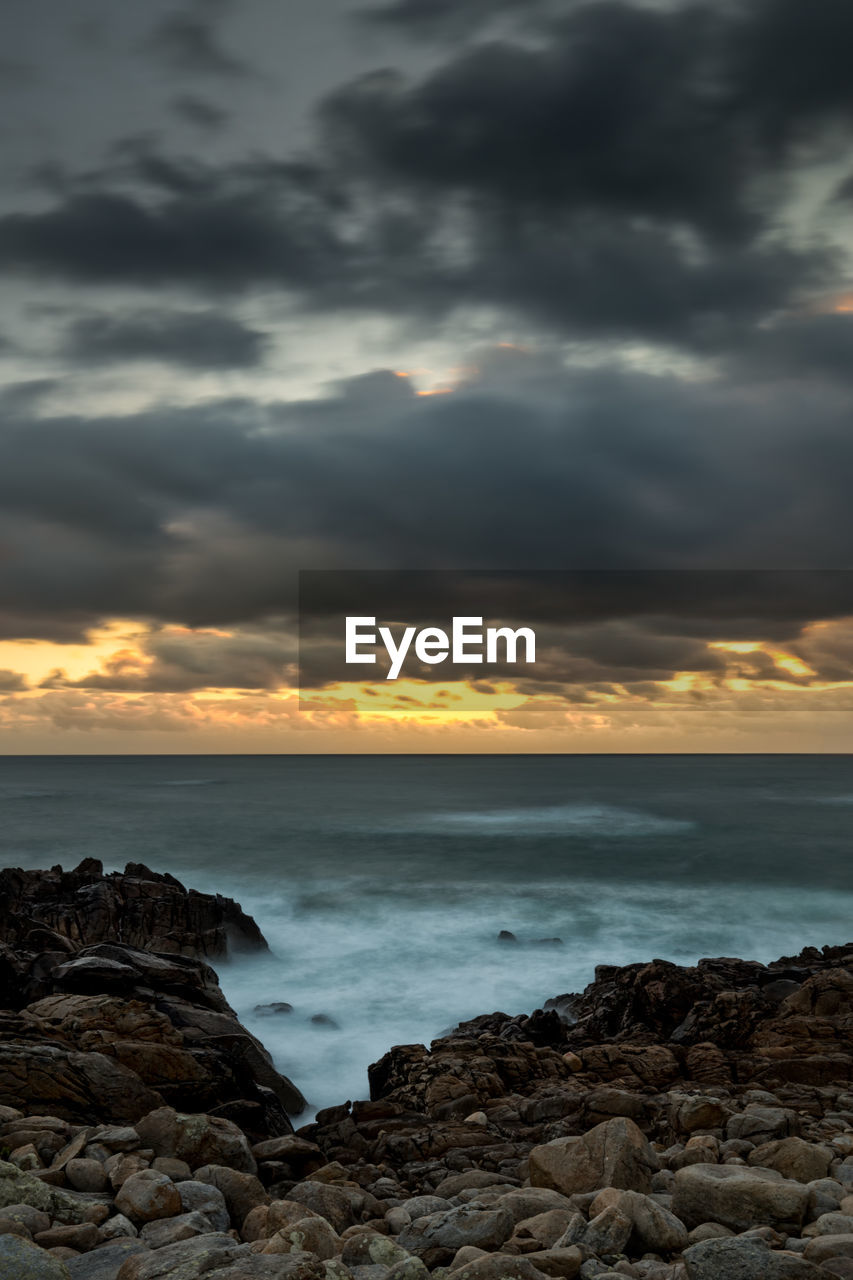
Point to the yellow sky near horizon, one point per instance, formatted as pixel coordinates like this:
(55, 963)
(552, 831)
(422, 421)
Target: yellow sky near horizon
(763, 698)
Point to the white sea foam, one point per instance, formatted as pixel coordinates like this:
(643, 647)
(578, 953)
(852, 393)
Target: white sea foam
(605, 820)
(402, 969)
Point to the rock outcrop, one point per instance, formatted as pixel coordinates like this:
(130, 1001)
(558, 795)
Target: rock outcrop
(667, 1124)
(97, 1029)
(137, 906)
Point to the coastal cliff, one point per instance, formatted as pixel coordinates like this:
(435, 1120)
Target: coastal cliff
(668, 1123)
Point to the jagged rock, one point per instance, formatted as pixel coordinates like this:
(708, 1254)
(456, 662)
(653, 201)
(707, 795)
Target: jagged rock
(84, 1044)
(137, 906)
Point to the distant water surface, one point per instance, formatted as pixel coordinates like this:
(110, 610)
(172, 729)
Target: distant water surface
(382, 882)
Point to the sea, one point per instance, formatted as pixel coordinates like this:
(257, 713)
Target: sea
(382, 883)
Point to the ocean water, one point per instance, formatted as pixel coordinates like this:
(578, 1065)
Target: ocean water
(382, 882)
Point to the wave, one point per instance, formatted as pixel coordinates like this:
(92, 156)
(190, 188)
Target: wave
(567, 820)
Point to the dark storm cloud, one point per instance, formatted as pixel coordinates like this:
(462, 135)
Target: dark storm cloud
(626, 173)
(202, 516)
(189, 43)
(204, 115)
(194, 339)
(818, 346)
(663, 113)
(442, 19)
(592, 628)
(225, 239)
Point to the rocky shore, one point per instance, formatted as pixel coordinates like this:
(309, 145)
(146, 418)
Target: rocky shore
(668, 1123)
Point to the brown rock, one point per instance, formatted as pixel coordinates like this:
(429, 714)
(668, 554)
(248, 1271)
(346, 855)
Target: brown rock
(793, 1158)
(613, 1154)
(196, 1139)
(147, 1195)
(242, 1191)
(83, 1236)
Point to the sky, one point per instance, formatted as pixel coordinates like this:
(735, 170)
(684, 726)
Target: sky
(424, 285)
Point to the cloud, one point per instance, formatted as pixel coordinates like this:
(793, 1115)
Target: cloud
(179, 660)
(618, 171)
(189, 43)
(202, 515)
(193, 339)
(247, 225)
(202, 114)
(12, 682)
(443, 19)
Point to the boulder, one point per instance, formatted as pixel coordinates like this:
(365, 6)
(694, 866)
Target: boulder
(738, 1197)
(22, 1260)
(311, 1235)
(745, 1258)
(106, 1261)
(241, 1191)
(188, 1260)
(793, 1158)
(613, 1154)
(654, 1228)
(20, 1188)
(203, 1197)
(147, 1196)
(197, 1139)
(184, 1226)
(436, 1237)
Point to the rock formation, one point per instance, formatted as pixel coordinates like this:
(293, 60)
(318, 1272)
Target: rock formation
(668, 1123)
